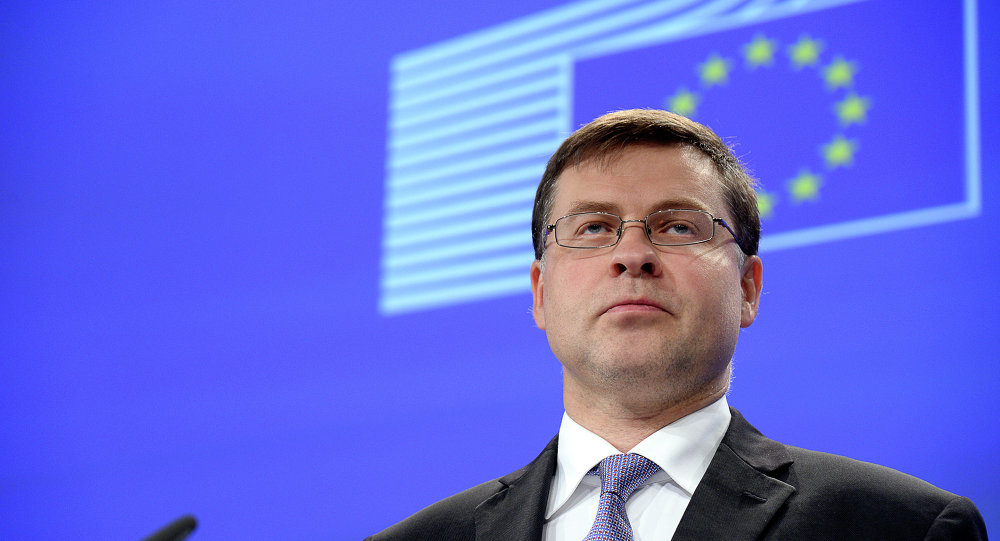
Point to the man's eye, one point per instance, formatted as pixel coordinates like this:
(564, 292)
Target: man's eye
(679, 229)
(594, 228)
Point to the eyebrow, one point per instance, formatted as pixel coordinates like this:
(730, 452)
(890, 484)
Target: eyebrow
(613, 208)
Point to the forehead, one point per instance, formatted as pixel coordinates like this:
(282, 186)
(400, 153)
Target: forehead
(640, 180)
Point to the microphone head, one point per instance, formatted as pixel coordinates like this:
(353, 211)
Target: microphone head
(178, 530)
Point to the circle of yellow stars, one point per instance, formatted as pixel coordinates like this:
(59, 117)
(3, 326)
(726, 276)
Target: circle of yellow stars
(838, 74)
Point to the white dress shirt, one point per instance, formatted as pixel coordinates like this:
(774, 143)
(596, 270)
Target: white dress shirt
(683, 450)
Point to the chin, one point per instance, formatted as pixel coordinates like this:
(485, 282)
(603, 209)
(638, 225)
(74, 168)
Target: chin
(635, 366)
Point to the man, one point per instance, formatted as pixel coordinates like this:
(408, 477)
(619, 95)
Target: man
(646, 230)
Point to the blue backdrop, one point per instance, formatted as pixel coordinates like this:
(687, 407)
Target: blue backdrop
(268, 263)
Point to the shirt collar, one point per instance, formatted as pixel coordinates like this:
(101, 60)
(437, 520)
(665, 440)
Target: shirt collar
(683, 450)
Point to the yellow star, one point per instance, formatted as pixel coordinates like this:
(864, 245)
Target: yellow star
(765, 204)
(853, 109)
(714, 71)
(805, 186)
(760, 51)
(840, 73)
(839, 152)
(805, 52)
(683, 102)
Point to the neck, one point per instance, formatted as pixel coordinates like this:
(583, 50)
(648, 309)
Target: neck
(625, 419)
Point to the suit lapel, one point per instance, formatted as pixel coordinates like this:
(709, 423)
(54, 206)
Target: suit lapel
(739, 494)
(517, 511)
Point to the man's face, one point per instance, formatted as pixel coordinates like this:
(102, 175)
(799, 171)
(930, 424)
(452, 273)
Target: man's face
(665, 317)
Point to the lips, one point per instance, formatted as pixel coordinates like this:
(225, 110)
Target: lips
(635, 305)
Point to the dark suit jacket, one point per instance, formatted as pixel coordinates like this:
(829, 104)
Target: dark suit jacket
(755, 488)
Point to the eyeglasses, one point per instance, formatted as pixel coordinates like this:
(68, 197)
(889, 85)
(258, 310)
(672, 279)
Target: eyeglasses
(672, 227)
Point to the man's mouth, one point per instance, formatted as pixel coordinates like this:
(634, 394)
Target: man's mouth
(635, 305)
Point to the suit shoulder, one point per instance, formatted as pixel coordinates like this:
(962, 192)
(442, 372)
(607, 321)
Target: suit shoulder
(454, 518)
(838, 473)
(450, 518)
(835, 497)
(862, 496)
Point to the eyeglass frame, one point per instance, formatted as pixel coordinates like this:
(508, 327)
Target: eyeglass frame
(550, 228)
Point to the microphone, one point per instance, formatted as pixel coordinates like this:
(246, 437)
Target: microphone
(177, 530)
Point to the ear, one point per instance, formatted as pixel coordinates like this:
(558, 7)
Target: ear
(751, 283)
(537, 305)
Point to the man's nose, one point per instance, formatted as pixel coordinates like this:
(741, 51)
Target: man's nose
(635, 254)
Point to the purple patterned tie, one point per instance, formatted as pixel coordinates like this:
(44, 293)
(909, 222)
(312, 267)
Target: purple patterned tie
(620, 476)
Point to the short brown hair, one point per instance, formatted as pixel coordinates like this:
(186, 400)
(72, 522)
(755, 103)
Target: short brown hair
(608, 135)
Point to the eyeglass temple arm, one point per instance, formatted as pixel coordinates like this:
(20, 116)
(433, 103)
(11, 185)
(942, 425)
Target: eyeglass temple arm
(731, 232)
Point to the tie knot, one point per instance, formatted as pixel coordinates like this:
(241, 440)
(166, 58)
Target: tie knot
(622, 474)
